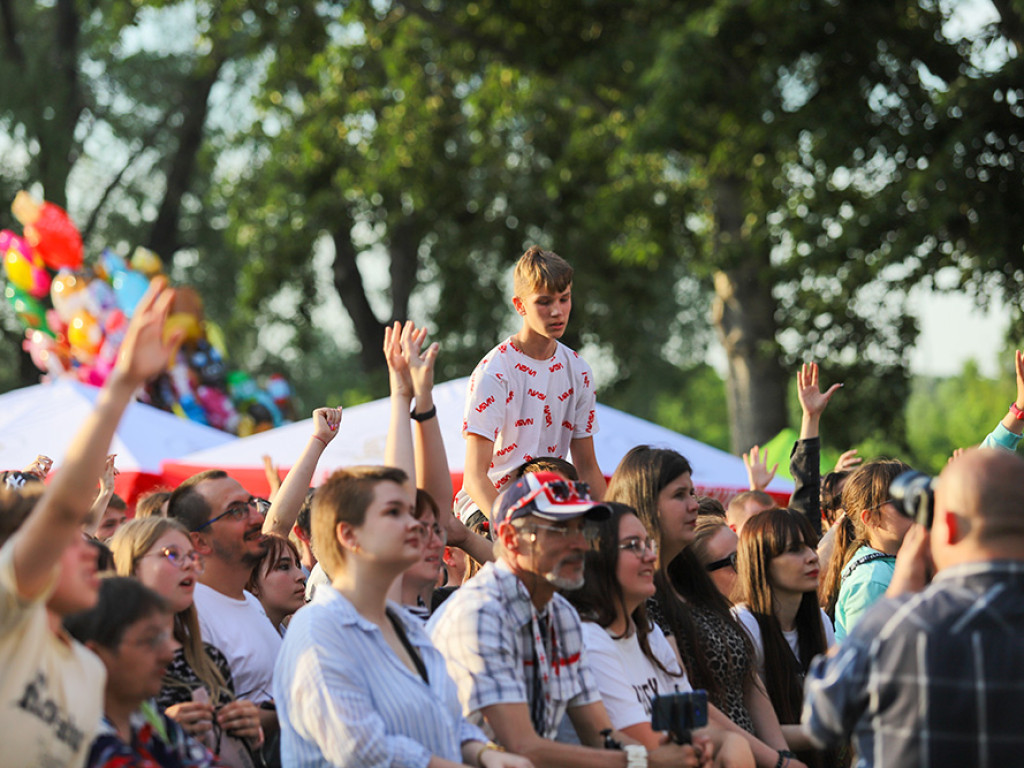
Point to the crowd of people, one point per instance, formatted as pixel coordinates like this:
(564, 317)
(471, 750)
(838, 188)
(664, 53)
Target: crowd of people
(538, 617)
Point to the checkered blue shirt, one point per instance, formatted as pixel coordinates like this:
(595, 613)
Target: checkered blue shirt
(932, 680)
(485, 633)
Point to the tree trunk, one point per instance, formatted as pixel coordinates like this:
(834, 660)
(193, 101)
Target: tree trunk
(348, 282)
(744, 317)
(165, 235)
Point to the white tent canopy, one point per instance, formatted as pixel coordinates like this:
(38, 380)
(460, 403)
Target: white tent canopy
(43, 418)
(363, 433)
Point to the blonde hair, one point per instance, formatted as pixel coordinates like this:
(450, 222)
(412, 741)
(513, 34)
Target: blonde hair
(539, 270)
(133, 540)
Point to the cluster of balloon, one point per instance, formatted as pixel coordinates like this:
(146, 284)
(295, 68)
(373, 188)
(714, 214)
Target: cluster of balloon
(76, 316)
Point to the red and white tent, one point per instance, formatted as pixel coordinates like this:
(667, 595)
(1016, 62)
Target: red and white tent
(43, 419)
(363, 433)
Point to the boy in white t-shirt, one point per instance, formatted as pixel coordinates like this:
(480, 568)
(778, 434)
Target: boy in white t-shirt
(530, 396)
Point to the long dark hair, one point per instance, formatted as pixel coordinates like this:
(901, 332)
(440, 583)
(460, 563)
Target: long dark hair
(766, 536)
(638, 480)
(866, 489)
(600, 599)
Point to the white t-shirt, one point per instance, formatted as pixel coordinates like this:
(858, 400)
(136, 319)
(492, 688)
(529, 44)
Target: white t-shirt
(241, 631)
(51, 688)
(529, 408)
(627, 679)
(749, 622)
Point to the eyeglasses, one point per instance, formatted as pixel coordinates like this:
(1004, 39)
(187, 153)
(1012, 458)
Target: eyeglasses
(586, 529)
(180, 559)
(557, 491)
(152, 643)
(729, 561)
(433, 528)
(639, 546)
(239, 510)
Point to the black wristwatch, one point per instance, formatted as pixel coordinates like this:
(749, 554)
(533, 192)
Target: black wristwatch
(423, 416)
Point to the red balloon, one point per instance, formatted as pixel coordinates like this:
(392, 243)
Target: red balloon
(55, 238)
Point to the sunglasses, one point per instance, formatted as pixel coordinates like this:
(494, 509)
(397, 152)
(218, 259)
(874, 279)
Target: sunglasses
(729, 561)
(180, 559)
(239, 511)
(557, 491)
(639, 546)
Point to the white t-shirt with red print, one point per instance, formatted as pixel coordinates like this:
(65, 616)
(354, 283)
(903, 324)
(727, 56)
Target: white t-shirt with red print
(528, 407)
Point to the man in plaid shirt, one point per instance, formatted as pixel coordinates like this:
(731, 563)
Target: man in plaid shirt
(936, 678)
(514, 646)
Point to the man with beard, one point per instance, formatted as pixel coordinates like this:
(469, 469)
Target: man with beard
(513, 645)
(227, 530)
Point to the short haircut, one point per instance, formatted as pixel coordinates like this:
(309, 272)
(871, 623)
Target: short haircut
(710, 506)
(344, 498)
(116, 502)
(16, 506)
(547, 464)
(738, 503)
(123, 601)
(188, 505)
(539, 270)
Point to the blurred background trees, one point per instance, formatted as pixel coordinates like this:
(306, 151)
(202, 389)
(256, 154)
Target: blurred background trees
(778, 174)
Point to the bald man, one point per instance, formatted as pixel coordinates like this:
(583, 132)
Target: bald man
(936, 677)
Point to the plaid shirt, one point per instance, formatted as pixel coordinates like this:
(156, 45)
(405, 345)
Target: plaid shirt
(485, 632)
(933, 679)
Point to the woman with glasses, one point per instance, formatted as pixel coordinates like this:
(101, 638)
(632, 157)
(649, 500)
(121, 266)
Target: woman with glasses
(197, 688)
(628, 653)
(713, 648)
(778, 584)
(714, 544)
(420, 579)
(868, 536)
(129, 629)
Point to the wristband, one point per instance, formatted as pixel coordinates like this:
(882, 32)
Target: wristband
(423, 416)
(636, 756)
(489, 745)
(1018, 414)
(321, 440)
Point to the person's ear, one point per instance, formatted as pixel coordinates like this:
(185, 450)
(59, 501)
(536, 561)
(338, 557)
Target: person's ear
(518, 304)
(300, 534)
(957, 527)
(200, 543)
(509, 537)
(345, 534)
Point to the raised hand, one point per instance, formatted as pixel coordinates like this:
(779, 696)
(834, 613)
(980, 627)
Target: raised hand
(848, 461)
(398, 366)
(1018, 359)
(420, 362)
(109, 473)
(146, 349)
(812, 399)
(325, 424)
(758, 473)
(40, 467)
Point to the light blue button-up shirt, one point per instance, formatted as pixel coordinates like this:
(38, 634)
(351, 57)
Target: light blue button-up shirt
(345, 699)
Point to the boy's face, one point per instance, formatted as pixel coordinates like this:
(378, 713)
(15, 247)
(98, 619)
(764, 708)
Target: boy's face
(545, 313)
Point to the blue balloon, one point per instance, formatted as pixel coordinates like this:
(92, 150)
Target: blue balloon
(129, 288)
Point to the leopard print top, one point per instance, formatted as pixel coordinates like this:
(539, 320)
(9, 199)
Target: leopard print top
(728, 658)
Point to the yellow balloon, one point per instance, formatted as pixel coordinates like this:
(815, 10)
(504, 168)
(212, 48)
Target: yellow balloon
(84, 334)
(19, 270)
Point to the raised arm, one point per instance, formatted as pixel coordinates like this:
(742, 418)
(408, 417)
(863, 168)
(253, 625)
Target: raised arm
(398, 451)
(1008, 432)
(812, 400)
(758, 474)
(805, 458)
(99, 506)
(58, 517)
(288, 500)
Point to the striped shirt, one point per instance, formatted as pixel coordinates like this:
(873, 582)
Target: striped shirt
(933, 679)
(345, 699)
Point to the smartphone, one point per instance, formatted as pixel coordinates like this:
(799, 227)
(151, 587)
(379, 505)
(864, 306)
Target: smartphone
(680, 713)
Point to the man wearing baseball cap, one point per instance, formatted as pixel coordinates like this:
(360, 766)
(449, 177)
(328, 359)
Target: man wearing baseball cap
(514, 646)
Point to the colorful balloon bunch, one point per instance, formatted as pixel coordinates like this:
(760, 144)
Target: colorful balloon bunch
(76, 315)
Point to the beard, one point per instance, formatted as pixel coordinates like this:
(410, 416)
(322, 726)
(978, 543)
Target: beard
(555, 579)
